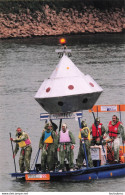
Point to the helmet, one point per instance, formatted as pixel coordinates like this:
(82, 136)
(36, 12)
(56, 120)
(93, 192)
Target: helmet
(83, 124)
(48, 125)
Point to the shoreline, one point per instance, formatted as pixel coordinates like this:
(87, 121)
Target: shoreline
(52, 19)
(63, 35)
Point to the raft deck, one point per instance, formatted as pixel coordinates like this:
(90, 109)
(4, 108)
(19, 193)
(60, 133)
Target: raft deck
(84, 174)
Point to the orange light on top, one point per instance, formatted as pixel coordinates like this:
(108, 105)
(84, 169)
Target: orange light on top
(62, 41)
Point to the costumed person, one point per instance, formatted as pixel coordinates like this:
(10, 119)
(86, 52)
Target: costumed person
(54, 128)
(84, 136)
(97, 130)
(66, 145)
(47, 144)
(23, 141)
(115, 133)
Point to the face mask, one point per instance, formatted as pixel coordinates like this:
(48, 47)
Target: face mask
(19, 133)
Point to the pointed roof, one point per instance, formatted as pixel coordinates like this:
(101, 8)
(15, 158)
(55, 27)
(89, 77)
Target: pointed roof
(67, 80)
(66, 68)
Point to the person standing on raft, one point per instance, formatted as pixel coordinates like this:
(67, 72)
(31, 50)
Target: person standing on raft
(23, 141)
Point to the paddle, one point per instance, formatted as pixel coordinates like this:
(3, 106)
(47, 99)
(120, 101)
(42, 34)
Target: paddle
(123, 141)
(60, 124)
(13, 153)
(36, 159)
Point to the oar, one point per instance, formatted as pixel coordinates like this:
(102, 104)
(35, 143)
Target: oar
(13, 153)
(123, 141)
(37, 156)
(120, 113)
(97, 111)
(35, 159)
(60, 124)
(123, 152)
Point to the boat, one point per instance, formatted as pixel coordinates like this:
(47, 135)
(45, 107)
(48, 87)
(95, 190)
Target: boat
(85, 174)
(102, 168)
(99, 171)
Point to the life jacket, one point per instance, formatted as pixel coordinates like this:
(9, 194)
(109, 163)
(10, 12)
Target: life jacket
(64, 137)
(96, 132)
(48, 137)
(113, 129)
(87, 138)
(24, 143)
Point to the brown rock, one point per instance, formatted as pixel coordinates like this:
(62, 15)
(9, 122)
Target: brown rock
(123, 26)
(98, 24)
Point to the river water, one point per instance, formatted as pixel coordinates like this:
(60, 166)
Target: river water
(24, 64)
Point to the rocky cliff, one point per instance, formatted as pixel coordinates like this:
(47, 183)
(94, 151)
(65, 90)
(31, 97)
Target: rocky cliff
(40, 18)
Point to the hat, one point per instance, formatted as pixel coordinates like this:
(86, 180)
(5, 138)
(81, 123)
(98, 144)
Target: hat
(83, 124)
(47, 125)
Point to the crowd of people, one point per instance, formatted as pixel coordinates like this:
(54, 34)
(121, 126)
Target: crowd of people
(58, 148)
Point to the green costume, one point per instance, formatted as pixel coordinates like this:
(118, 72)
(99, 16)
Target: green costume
(65, 150)
(48, 143)
(24, 142)
(84, 139)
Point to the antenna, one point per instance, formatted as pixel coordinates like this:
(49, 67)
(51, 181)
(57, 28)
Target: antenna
(64, 49)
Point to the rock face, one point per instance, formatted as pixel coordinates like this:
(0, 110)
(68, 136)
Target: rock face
(49, 20)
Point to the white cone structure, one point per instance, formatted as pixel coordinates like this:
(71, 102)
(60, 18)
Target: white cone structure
(67, 89)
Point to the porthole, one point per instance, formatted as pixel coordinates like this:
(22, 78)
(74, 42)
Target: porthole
(60, 103)
(85, 100)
